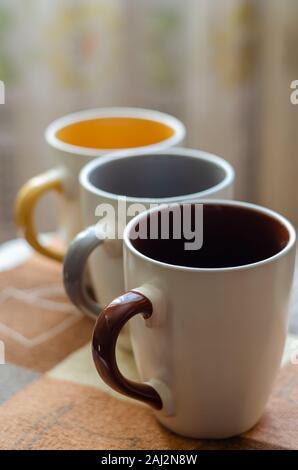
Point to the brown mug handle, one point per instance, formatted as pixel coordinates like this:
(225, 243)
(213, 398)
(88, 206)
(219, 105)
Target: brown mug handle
(106, 331)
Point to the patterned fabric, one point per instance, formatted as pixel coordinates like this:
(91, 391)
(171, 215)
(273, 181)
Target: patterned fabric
(52, 398)
(13, 379)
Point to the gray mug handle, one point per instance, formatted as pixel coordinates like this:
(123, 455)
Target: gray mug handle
(74, 268)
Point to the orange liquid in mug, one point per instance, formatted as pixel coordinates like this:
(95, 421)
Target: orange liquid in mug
(114, 133)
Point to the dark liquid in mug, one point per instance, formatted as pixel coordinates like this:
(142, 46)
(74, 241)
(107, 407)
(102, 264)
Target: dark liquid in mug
(232, 236)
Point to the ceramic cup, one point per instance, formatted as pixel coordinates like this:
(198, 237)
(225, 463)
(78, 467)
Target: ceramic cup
(116, 187)
(208, 326)
(76, 139)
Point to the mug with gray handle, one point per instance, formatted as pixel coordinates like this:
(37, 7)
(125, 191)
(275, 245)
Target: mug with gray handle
(115, 188)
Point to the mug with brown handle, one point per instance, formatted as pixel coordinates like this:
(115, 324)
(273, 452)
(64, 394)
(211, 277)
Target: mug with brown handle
(208, 325)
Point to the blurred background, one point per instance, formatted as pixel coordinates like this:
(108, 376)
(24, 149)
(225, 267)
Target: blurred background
(223, 67)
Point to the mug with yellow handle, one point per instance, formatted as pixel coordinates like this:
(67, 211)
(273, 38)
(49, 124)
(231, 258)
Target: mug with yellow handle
(76, 139)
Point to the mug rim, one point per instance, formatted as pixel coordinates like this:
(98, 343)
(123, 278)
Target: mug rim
(252, 207)
(215, 160)
(139, 113)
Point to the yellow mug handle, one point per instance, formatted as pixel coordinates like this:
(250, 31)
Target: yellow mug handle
(26, 200)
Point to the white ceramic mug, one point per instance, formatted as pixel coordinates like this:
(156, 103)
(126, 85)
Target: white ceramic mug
(212, 326)
(76, 139)
(142, 178)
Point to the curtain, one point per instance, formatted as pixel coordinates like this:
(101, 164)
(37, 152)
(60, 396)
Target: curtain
(224, 67)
